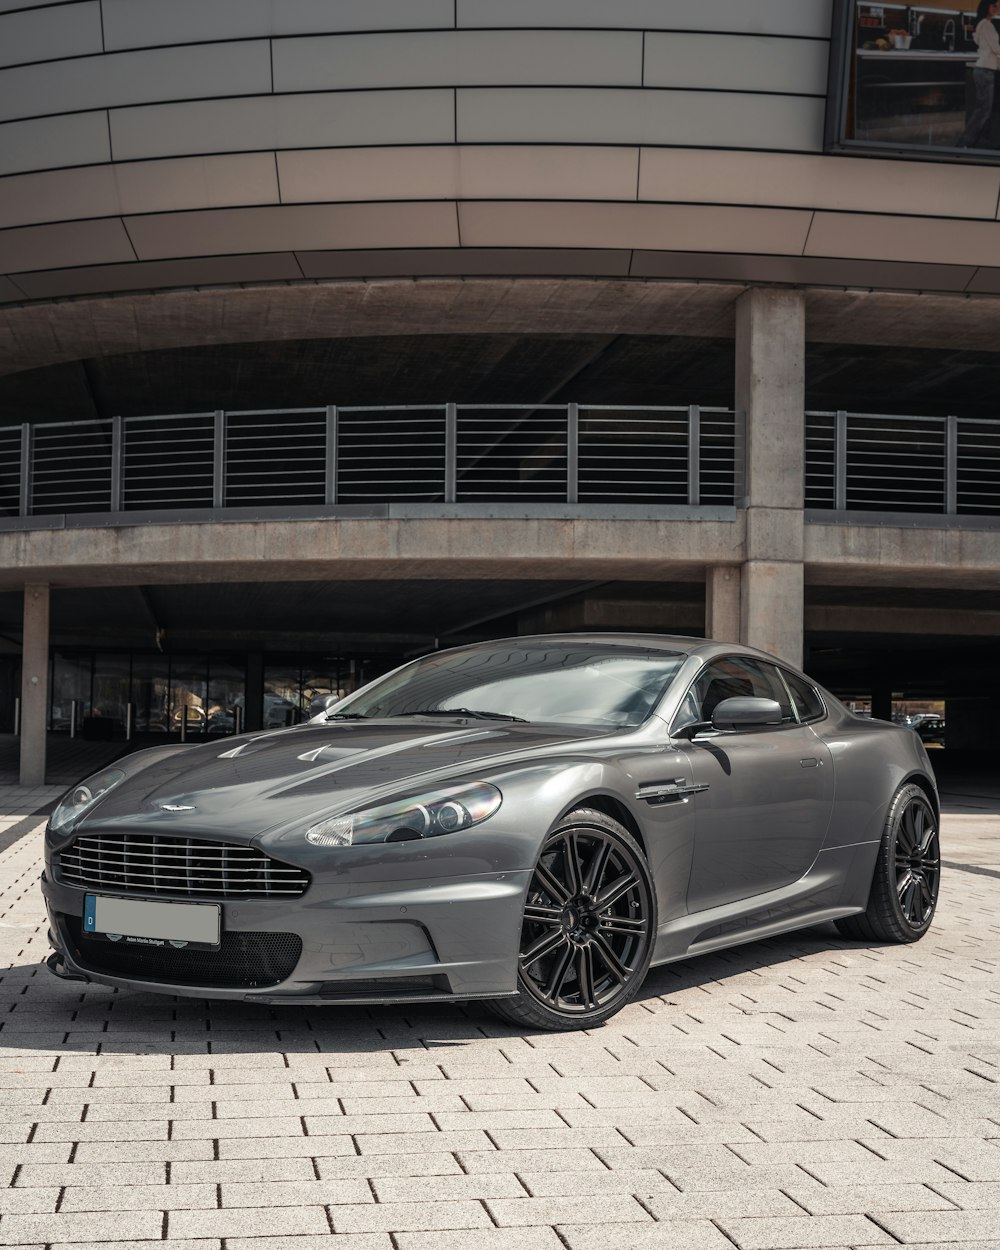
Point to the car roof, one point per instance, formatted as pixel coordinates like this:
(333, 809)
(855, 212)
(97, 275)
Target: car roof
(706, 648)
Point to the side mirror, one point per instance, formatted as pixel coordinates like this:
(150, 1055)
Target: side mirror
(744, 712)
(322, 703)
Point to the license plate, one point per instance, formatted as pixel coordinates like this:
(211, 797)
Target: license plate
(139, 922)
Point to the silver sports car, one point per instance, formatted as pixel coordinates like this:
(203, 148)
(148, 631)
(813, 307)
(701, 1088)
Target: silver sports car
(532, 822)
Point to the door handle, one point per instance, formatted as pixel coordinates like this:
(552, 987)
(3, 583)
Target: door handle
(810, 761)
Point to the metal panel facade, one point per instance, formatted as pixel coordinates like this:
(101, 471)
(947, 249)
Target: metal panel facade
(221, 129)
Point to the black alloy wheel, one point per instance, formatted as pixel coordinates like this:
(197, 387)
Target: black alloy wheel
(907, 875)
(588, 927)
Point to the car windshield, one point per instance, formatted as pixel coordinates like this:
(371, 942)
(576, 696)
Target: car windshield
(568, 683)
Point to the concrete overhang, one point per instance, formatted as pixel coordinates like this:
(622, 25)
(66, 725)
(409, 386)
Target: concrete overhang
(943, 552)
(409, 546)
(36, 335)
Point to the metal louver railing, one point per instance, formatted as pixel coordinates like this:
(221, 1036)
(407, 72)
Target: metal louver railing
(434, 453)
(580, 455)
(162, 459)
(863, 462)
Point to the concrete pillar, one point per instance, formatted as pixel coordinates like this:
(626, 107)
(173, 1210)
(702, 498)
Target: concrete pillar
(882, 702)
(254, 705)
(34, 685)
(770, 392)
(722, 603)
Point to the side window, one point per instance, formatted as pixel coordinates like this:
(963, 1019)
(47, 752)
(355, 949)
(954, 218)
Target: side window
(808, 703)
(726, 679)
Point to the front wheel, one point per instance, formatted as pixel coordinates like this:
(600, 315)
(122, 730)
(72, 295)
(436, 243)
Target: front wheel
(907, 874)
(588, 927)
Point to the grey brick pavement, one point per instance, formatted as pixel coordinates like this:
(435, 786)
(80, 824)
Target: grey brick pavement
(801, 1092)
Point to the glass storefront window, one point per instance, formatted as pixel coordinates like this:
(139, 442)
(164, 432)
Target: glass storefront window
(71, 680)
(111, 686)
(282, 696)
(289, 689)
(226, 694)
(211, 688)
(189, 693)
(336, 678)
(151, 693)
(111, 693)
(907, 79)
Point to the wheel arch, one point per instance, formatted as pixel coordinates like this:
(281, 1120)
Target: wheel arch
(613, 807)
(925, 784)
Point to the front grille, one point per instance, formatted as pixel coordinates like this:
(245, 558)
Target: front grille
(153, 863)
(244, 961)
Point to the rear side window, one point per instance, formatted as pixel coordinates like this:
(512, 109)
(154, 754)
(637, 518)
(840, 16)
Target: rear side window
(808, 703)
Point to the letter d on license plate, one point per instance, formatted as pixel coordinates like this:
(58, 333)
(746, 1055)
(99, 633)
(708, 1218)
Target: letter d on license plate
(140, 922)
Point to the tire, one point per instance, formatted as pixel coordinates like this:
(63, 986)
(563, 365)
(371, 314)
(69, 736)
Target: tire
(588, 927)
(907, 875)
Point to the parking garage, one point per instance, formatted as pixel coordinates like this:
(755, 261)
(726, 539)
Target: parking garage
(179, 510)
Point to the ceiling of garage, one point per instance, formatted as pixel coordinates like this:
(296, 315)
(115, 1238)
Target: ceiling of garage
(489, 368)
(394, 619)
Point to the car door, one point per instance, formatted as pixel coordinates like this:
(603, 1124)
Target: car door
(764, 795)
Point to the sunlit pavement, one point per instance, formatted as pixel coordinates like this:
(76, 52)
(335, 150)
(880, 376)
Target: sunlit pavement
(800, 1092)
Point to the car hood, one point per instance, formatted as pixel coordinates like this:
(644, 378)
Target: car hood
(242, 788)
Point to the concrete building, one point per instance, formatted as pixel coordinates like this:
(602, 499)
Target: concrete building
(332, 332)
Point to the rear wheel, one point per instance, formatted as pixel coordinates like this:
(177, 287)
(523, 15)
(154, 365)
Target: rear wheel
(588, 927)
(907, 875)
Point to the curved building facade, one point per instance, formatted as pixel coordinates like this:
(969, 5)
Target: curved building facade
(329, 332)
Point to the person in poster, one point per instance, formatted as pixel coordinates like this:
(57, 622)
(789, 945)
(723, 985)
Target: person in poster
(984, 74)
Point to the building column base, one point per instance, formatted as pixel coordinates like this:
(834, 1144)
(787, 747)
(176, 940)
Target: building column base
(771, 608)
(722, 603)
(34, 685)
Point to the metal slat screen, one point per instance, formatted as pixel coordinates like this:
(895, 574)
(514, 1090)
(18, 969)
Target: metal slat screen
(895, 464)
(511, 455)
(476, 454)
(821, 491)
(928, 465)
(390, 454)
(978, 468)
(10, 470)
(275, 458)
(168, 463)
(633, 456)
(718, 461)
(71, 467)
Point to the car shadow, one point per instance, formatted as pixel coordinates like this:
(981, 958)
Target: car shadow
(43, 1016)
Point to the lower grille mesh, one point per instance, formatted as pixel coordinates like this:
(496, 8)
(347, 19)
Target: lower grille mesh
(244, 960)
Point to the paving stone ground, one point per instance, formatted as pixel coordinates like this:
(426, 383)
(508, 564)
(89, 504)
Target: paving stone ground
(799, 1092)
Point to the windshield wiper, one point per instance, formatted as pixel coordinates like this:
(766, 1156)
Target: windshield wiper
(346, 716)
(463, 711)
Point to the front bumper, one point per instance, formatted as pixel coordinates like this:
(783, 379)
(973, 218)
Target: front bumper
(425, 940)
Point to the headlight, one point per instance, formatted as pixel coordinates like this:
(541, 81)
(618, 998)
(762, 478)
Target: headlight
(425, 816)
(83, 796)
